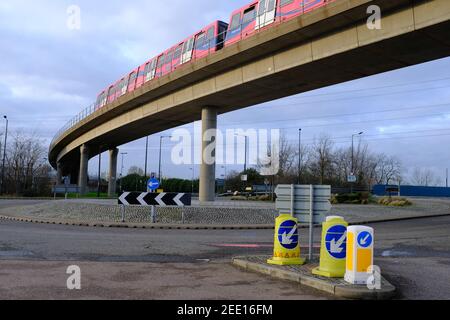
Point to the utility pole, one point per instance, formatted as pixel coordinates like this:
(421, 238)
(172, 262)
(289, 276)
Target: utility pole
(4, 155)
(353, 157)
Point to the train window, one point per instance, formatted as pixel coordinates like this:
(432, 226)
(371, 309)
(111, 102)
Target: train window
(150, 72)
(177, 53)
(285, 2)
(160, 61)
(133, 77)
(249, 15)
(188, 45)
(262, 7)
(169, 56)
(235, 21)
(211, 33)
(147, 69)
(201, 40)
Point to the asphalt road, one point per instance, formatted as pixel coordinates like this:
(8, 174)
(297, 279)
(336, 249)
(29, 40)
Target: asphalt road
(195, 264)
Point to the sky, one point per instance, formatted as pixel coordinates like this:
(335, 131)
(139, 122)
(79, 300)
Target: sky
(50, 72)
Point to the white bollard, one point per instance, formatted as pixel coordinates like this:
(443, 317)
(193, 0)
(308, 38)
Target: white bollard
(360, 243)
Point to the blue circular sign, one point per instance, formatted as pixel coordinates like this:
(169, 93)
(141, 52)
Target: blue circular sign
(336, 241)
(365, 239)
(288, 235)
(153, 184)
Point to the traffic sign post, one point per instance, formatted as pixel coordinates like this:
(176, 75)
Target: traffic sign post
(309, 204)
(333, 249)
(360, 246)
(155, 199)
(152, 185)
(286, 242)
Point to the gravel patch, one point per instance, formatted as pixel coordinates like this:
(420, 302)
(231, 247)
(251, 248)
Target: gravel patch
(107, 211)
(91, 212)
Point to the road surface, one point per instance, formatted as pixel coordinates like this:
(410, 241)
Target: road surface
(195, 264)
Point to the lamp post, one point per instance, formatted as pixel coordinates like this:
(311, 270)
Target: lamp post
(146, 158)
(121, 170)
(4, 155)
(353, 157)
(245, 153)
(99, 171)
(446, 178)
(224, 179)
(192, 181)
(160, 154)
(299, 155)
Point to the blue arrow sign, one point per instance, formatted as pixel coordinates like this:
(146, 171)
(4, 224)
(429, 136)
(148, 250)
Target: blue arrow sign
(336, 241)
(288, 235)
(153, 184)
(365, 239)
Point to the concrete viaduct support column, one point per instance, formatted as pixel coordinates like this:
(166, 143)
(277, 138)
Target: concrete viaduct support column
(59, 174)
(83, 176)
(208, 163)
(112, 184)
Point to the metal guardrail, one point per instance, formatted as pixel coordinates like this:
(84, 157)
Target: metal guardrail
(213, 42)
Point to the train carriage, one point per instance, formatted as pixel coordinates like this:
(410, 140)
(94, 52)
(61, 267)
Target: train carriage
(209, 39)
(244, 22)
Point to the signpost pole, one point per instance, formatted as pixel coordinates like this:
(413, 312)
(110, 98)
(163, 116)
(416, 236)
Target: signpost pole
(311, 221)
(292, 200)
(153, 215)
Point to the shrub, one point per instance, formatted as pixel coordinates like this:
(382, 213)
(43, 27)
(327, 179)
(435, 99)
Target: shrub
(238, 198)
(265, 197)
(351, 198)
(394, 202)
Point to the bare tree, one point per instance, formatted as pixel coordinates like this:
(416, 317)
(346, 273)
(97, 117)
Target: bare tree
(136, 170)
(322, 158)
(25, 162)
(424, 177)
(388, 169)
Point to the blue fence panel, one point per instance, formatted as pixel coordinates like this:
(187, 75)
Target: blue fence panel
(413, 191)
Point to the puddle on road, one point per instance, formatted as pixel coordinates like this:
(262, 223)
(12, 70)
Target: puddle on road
(15, 254)
(396, 253)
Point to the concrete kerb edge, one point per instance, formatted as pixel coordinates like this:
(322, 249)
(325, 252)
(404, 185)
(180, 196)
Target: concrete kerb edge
(97, 224)
(337, 290)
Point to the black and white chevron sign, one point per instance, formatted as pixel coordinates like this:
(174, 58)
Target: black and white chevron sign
(155, 199)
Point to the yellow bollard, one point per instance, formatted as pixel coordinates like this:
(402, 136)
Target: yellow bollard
(360, 246)
(286, 242)
(333, 249)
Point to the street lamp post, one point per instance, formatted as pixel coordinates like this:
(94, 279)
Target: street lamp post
(4, 155)
(146, 157)
(160, 154)
(99, 171)
(246, 147)
(224, 179)
(192, 181)
(121, 170)
(299, 155)
(446, 178)
(353, 157)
